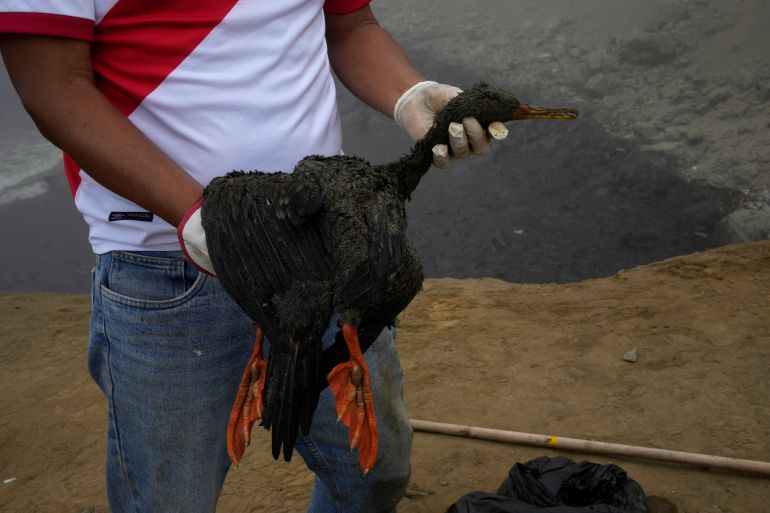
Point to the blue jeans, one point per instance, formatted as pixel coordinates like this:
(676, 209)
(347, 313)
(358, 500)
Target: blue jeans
(168, 347)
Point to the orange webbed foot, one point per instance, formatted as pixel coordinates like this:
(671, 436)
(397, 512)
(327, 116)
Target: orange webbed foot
(249, 403)
(352, 389)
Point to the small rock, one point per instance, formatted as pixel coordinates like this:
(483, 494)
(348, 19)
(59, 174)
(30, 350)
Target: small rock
(595, 59)
(415, 492)
(9, 480)
(693, 136)
(744, 225)
(647, 130)
(443, 482)
(630, 356)
(672, 134)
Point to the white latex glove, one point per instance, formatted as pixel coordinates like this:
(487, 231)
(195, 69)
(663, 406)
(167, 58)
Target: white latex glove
(192, 238)
(416, 108)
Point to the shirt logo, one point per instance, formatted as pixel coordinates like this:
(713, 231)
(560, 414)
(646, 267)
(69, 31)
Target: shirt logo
(131, 216)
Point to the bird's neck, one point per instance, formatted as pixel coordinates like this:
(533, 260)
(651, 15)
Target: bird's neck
(410, 168)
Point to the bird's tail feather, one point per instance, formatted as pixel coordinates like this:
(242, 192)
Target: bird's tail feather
(291, 395)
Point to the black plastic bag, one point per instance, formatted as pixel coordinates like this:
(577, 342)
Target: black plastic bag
(559, 485)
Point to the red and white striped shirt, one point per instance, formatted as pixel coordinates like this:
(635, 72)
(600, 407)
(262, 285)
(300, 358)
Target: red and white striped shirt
(216, 84)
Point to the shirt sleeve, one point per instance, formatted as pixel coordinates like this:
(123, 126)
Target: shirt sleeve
(70, 18)
(343, 6)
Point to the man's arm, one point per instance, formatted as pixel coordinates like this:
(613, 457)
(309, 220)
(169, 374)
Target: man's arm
(367, 60)
(54, 79)
(375, 68)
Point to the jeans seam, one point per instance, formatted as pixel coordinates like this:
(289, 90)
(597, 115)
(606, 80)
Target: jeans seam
(324, 468)
(147, 260)
(113, 409)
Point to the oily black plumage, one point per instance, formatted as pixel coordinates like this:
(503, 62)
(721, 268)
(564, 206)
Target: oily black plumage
(292, 248)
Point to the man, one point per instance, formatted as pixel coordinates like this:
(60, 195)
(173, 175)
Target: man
(150, 100)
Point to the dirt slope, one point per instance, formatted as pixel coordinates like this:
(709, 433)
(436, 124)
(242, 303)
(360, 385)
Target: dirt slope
(538, 358)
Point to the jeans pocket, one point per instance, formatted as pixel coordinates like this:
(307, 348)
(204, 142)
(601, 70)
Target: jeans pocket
(153, 280)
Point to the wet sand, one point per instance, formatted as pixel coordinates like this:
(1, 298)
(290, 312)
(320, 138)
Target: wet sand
(535, 358)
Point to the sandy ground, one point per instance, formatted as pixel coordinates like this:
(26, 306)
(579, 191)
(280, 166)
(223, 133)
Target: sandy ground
(536, 358)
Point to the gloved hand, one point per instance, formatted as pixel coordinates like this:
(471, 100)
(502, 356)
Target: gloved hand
(415, 110)
(192, 238)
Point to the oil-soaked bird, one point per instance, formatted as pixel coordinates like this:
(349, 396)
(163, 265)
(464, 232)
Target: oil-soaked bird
(293, 248)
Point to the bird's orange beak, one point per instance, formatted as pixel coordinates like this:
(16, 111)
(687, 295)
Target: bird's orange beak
(525, 111)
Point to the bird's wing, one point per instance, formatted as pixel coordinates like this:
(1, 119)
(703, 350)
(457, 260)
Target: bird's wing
(263, 235)
(266, 242)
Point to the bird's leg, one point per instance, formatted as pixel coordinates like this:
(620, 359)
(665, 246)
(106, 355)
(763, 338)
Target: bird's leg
(352, 389)
(249, 403)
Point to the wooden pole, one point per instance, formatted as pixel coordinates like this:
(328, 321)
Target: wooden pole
(589, 446)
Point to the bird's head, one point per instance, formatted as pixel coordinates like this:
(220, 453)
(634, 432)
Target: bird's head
(488, 103)
(485, 103)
